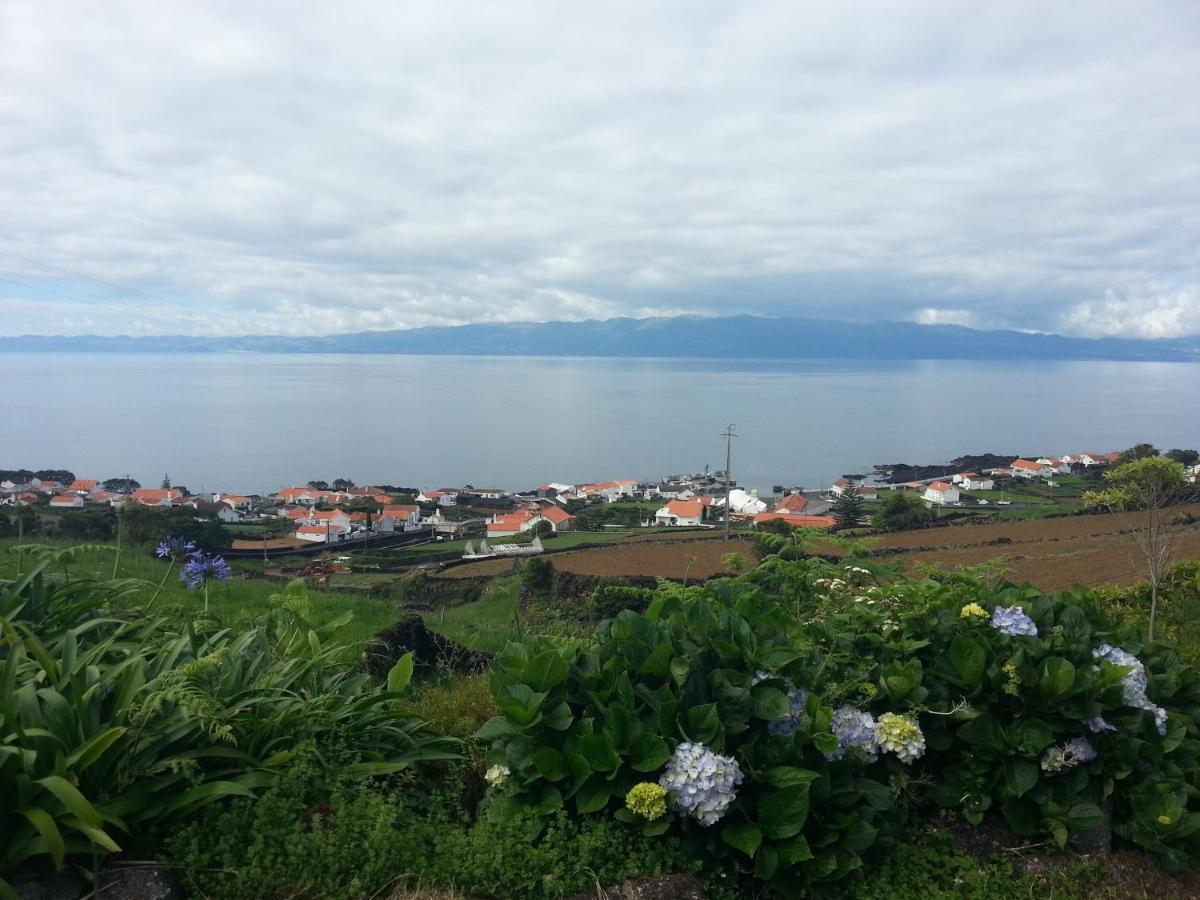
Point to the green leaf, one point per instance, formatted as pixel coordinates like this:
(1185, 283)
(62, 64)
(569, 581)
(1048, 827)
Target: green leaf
(598, 750)
(794, 851)
(744, 836)
(593, 795)
(559, 718)
(766, 864)
(93, 749)
(400, 674)
(648, 753)
(1058, 675)
(659, 662)
(679, 670)
(984, 731)
(70, 797)
(968, 658)
(546, 670)
(1020, 775)
(496, 727)
(51, 836)
(550, 763)
(703, 723)
(790, 776)
(1031, 735)
(769, 702)
(782, 813)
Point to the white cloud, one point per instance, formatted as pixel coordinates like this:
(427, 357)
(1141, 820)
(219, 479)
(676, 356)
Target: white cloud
(933, 316)
(1157, 315)
(204, 168)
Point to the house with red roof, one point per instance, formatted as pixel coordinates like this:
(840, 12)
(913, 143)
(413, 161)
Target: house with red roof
(680, 513)
(323, 533)
(941, 493)
(792, 504)
(66, 501)
(402, 517)
(1027, 468)
(84, 485)
(157, 496)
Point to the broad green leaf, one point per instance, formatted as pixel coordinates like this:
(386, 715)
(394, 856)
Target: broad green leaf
(782, 813)
(593, 795)
(400, 674)
(1020, 775)
(1058, 675)
(93, 749)
(790, 776)
(769, 702)
(968, 658)
(70, 797)
(546, 670)
(496, 727)
(550, 763)
(744, 836)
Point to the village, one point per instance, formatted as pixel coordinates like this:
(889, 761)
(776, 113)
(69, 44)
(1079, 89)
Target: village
(317, 514)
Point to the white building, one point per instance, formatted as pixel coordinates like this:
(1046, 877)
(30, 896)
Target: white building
(941, 493)
(680, 512)
(972, 482)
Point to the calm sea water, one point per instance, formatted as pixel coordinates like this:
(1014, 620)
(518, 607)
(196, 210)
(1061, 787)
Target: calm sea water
(257, 422)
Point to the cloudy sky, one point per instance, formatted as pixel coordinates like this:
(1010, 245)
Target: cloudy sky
(316, 167)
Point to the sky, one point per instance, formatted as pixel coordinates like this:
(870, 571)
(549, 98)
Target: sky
(316, 167)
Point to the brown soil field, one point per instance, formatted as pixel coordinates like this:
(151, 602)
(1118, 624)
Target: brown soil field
(1053, 554)
(671, 559)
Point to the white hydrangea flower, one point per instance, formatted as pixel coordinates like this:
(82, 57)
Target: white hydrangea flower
(702, 784)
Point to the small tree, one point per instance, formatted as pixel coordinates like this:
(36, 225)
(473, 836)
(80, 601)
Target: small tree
(899, 511)
(1145, 486)
(848, 508)
(342, 484)
(1136, 452)
(541, 529)
(1184, 457)
(166, 482)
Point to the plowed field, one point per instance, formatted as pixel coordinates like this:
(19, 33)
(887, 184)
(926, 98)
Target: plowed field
(1051, 553)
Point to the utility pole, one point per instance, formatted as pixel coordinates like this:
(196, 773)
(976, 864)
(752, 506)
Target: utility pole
(729, 436)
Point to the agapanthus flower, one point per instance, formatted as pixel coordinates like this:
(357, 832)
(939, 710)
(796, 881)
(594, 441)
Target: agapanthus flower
(790, 722)
(1012, 620)
(201, 568)
(900, 735)
(647, 800)
(703, 784)
(496, 775)
(1067, 755)
(1134, 682)
(1097, 725)
(176, 548)
(972, 610)
(855, 731)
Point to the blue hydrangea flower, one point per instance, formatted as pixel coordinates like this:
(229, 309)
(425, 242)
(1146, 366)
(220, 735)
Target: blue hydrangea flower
(200, 569)
(1134, 682)
(792, 721)
(702, 784)
(1097, 725)
(855, 731)
(1012, 620)
(1067, 755)
(175, 548)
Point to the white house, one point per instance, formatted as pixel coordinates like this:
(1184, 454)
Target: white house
(1056, 464)
(66, 501)
(972, 482)
(680, 512)
(1090, 458)
(675, 492)
(1027, 468)
(398, 518)
(742, 503)
(941, 493)
(324, 533)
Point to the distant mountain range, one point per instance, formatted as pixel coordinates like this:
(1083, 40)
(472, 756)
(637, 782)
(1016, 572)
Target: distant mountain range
(731, 337)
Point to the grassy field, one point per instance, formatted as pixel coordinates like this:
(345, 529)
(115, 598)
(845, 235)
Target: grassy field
(487, 624)
(233, 601)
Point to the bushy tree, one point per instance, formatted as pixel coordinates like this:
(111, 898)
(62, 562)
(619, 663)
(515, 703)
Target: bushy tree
(126, 485)
(899, 511)
(1184, 457)
(1136, 452)
(1145, 486)
(342, 484)
(848, 508)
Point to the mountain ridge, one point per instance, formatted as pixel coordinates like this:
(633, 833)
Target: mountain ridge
(731, 337)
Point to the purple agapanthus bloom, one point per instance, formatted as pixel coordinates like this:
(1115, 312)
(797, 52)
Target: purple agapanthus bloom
(176, 548)
(1012, 620)
(200, 569)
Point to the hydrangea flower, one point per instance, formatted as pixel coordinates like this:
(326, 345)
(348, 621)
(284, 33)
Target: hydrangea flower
(647, 800)
(174, 548)
(1097, 725)
(497, 775)
(1012, 620)
(790, 722)
(855, 731)
(1065, 756)
(1134, 682)
(1013, 683)
(972, 610)
(702, 783)
(900, 735)
(200, 569)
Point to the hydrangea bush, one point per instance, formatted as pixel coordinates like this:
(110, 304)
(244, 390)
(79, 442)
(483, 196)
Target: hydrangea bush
(791, 715)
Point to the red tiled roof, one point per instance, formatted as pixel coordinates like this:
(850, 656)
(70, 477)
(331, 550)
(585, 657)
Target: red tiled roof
(314, 529)
(685, 509)
(400, 512)
(556, 515)
(940, 486)
(83, 484)
(1024, 464)
(792, 503)
(69, 498)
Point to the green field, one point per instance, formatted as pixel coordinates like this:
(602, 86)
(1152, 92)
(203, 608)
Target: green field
(487, 624)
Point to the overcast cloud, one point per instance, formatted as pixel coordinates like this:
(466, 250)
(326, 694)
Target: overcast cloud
(306, 168)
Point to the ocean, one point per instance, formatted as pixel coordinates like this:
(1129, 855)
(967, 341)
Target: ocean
(257, 422)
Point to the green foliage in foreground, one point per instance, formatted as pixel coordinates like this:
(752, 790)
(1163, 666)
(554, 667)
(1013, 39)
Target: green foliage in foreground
(307, 836)
(115, 722)
(760, 668)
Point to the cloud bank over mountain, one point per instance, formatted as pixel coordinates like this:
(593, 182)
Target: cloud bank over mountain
(319, 168)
